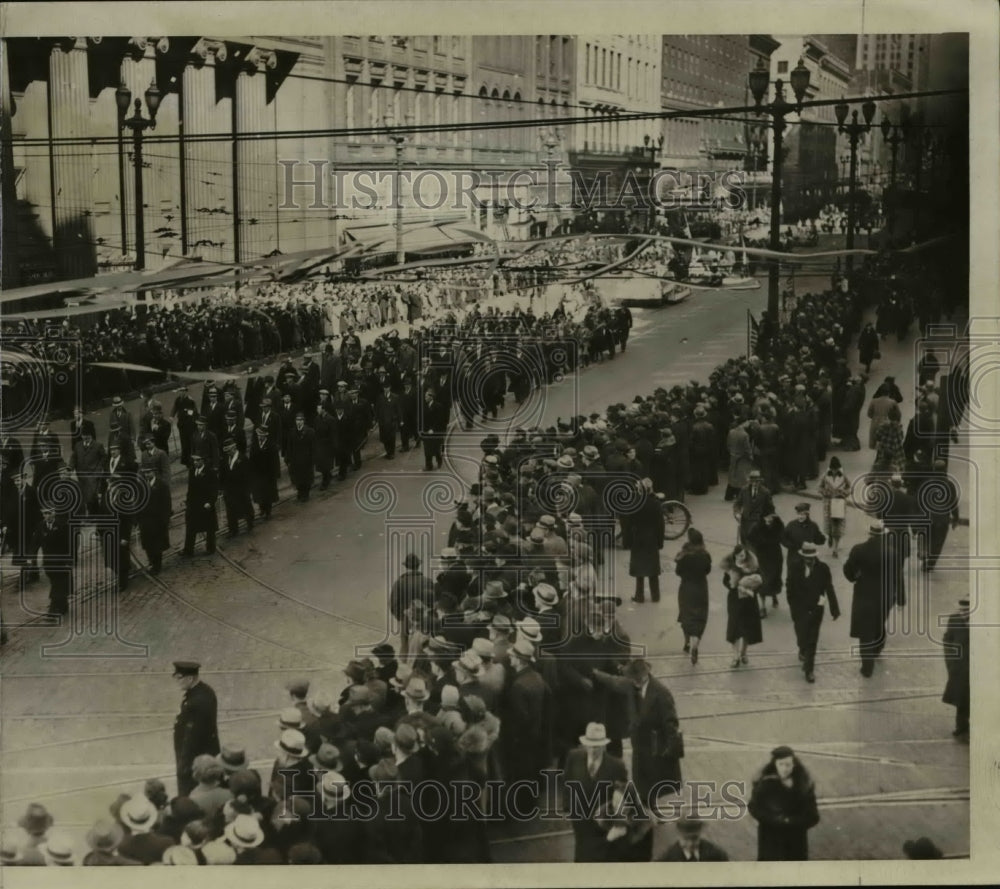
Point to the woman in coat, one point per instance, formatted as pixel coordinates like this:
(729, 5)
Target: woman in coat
(693, 565)
(765, 538)
(834, 486)
(868, 343)
(889, 453)
(783, 803)
(646, 535)
(742, 580)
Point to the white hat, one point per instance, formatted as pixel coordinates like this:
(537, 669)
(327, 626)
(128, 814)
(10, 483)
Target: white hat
(138, 814)
(244, 832)
(595, 736)
(292, 743)
(529, 629)
(546, 594)
(58, 850)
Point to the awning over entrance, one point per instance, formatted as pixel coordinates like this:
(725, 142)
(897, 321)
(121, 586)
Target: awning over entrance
(425, 239)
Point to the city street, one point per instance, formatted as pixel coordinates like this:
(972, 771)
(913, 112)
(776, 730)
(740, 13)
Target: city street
(307, 591)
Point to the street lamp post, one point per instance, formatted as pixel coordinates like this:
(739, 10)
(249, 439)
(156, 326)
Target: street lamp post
(138, 125)
(894, 135)
(854, 131)
(398, 139)
(654, 147)
(777, 109)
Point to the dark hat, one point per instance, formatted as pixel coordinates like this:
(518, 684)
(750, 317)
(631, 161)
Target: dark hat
(36, 819)
(232, 758)
(300, 414)
(411, 561)
(921, 849)
(802, 507)
(782, 752)
(186, 668)
(298, 687)
(230, 415)
(185, 809)
(229, 443)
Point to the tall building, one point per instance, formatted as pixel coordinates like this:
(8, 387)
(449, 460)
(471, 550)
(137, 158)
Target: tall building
(702, 71)
(813, 147)
(907, 53)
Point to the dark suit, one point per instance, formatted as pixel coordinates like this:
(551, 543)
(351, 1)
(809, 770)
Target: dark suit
(183, 413)
(195, 732)
(654, 722)
(234, 478)
(202, 489)
(205, 443)
(706, 852)
(580, 790)
(750, 506)
(56, 543)
(154, 524)
(804, 593)
(432, 431)
(866, 567)
(265, 470)
(300, 456)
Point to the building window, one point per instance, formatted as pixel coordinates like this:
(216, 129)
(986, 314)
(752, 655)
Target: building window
(782, 67)
(586, 76)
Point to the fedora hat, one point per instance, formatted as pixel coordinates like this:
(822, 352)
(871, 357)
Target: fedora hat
(105, 835)
(416, 689)
(58, 850)
(292, 743)
(327, 757)
(177, 855)
(290, 717)
(138, 814)
(546, 594)
(529, 629)
(233, 758)
(523, 648)
(471, 662)
(808, 550)
(876, 527)
(244, 832)
(595, 736)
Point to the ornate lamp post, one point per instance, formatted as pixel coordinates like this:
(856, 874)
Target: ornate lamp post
(138, 125)
(777, 109)
(654, 147)
(854, 131)
(894, 135)
(399, 140)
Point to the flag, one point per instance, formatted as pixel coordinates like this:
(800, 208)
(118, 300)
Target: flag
(753, 332)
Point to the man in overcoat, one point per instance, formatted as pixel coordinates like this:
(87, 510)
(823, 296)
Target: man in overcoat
(234, 478)
(265, 470)
(199, 510)
(810, 592)
(526, 717)
(866, 567)
(388, 415)
(956, 653)
(657, 745)
(89, 462)
(327, 431)
(751, 505)
(195, 729)
(589, 777)
(154, 520)
(300, 456)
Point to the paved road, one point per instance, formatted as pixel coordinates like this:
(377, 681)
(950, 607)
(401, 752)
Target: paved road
(308, 588)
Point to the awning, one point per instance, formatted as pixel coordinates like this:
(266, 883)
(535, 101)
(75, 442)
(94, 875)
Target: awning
(415, 240)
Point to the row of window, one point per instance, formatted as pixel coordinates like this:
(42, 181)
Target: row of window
(603, 67)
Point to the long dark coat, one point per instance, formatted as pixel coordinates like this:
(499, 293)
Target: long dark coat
(300, 456)
(956, 690)
(527, 726)
(201, 490)
(653, 723)
(195, 730)
(742, 616)
(646, 536)
(693, 565)
(580, 787)
(765, 539)
(665, 473)
(866, 566)
(800, 440)
(703, 448)
(154, 520)
(265, 469)
(784, 816)
(325, 429)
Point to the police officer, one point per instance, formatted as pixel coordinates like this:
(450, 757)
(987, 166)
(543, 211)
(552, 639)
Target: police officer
(195, 729)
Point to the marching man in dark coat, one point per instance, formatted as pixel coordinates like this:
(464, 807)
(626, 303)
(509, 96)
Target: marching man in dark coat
(300, 456)
(956, 654)
(810, 590)
(389, 416)
(154, 520)
(327, 432)
(866, 567)
(800, 531)
(234, 477)
(195, 729)
(751, 504)
(657, 743)
(199, 510)
(54, 536)
(183, 412)
(265, 470)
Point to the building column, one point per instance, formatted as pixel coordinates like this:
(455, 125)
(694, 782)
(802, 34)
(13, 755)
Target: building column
(255, 200)
(207, 184)
(72, 200)
(10, 256)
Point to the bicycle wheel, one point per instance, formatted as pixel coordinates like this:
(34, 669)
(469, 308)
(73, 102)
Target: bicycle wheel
(676, 519)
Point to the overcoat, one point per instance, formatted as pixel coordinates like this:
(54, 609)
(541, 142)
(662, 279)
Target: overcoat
(646, 536)
(654, 723)
(866, 566)
(693, 565)
(784, 816)
(201, 490)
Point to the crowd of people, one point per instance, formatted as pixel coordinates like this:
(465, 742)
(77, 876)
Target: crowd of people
(474, 693)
